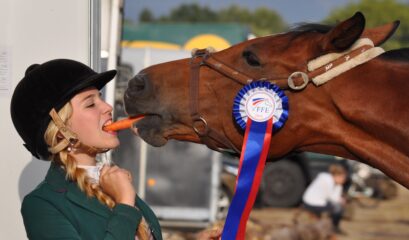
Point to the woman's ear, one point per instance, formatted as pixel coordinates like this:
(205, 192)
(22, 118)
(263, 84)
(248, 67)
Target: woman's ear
(344, 34)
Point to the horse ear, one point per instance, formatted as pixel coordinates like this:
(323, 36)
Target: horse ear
(343, 35)
(380, 34)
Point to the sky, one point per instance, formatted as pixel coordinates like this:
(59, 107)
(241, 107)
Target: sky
(292, 11)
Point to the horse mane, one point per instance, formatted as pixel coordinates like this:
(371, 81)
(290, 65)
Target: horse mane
(396, 55)
(310, 27)
(302, 28)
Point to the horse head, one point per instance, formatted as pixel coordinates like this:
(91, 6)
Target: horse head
(163, 92)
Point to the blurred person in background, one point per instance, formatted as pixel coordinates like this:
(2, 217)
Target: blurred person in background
(324, 195)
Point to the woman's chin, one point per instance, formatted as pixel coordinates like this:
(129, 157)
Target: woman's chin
(110, 143)
(115, 144)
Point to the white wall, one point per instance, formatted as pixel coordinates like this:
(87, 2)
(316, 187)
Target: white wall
(31, 31)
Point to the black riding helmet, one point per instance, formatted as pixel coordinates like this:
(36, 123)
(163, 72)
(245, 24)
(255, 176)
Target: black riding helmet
(44, 87)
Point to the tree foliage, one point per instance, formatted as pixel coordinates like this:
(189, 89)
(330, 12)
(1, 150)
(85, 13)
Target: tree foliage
(378, 12)
(146, 15)
(262, 21)
(190, 13)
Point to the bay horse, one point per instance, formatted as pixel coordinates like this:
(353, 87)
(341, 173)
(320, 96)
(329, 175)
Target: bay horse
(360, 114)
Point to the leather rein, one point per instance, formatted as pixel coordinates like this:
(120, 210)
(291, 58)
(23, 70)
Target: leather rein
(203, 57)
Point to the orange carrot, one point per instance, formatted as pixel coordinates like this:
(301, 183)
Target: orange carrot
(122, 124)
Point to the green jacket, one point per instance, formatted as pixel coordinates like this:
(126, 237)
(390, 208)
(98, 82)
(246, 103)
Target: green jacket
(58, 209)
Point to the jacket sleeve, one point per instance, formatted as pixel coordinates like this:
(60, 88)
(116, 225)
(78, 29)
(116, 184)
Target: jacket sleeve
(123, 222)
(43, 221)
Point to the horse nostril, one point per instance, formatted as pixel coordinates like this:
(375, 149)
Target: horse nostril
(136, 84)
(138, 87)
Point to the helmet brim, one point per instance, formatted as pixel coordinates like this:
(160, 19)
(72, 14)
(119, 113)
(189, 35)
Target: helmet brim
(98, 81)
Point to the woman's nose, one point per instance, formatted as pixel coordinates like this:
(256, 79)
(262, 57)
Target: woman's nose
(107, 108)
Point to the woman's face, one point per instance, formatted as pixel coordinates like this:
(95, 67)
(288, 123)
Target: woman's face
(340, 179)
(90, 114)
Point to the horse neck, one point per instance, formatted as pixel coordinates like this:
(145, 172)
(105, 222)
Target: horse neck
(388, 64)
(379, 67)
(314, 107)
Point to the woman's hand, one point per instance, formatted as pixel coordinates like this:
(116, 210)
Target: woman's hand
(209, 234)
(117, 183)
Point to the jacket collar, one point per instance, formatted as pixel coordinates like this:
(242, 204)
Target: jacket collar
(56, 179)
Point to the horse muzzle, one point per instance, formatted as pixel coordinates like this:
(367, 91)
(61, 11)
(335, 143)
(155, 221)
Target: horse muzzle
(139, 99)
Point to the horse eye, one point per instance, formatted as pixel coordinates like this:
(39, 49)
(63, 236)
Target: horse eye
(251, 59)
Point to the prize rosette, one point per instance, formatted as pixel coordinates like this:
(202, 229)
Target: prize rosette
(261, 101)
(260, 108)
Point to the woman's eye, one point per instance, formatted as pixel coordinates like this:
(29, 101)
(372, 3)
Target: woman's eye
(251, 59)
(90, 105)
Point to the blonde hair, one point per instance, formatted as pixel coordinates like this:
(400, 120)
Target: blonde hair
(52, 137)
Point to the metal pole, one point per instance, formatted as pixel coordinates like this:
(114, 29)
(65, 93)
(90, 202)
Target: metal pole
(114, 39)
(144, 146)
(95, 51)
(95, 35)
(215, 184)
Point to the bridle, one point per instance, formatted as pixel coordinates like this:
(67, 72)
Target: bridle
(202, 57)
(199, 124)
(295, 81)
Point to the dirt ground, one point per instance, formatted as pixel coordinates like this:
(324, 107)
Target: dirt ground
(390, 220)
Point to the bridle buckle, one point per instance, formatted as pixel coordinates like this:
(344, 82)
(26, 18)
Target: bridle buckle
(293, 75)
(196, 122)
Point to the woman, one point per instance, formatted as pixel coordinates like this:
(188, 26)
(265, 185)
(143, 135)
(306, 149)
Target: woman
(59, 113)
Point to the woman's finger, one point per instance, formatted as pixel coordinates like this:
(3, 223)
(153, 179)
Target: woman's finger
(113, 169)
(127, 173)
(104, 170)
